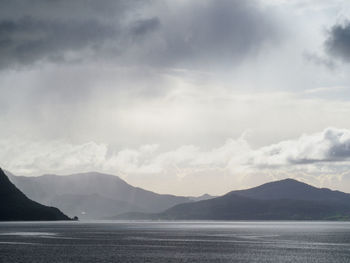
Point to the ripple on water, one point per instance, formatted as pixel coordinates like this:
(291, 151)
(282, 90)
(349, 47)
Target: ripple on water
(29, 234)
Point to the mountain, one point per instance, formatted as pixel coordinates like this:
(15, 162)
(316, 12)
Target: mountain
(93, 195)
(15, 206)
(282, 200)
(295, 190)
(202, 197)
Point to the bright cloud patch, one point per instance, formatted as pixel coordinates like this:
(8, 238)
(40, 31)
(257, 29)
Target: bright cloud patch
(327, 149)
(331, 145)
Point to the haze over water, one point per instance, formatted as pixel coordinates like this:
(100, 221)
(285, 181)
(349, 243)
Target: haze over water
(112, 241)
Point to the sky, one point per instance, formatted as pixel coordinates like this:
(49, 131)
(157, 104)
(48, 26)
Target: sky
(184, 97)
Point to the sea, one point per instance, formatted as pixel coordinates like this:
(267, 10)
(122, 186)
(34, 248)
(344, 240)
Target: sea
(184, 241)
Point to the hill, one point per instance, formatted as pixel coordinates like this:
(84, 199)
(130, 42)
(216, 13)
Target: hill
(93, 195)
(282, 200)
(15, 206)
(294, 190)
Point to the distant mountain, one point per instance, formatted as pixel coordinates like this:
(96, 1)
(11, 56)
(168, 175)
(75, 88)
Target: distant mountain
(202, 197)
(92, 206)
(294, 190)
(282, 200)
(93, 195)
(15, 206)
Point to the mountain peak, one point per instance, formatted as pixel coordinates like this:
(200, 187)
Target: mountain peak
(289, 189)
(287, 180)
(202, 197)
(6, 187)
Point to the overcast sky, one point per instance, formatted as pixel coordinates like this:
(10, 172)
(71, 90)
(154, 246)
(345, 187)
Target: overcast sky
(184, 97)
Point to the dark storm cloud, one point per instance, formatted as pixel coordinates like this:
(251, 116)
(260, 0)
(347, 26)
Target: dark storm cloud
(216, 33)
(67, 9)
(144, 26)
(338, 42)
(59, 31)
(184, 33)
(29, 40)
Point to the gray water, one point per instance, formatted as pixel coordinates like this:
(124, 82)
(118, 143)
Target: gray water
(175, 242)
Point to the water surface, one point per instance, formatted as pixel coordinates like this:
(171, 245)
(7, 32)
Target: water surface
(110, 241)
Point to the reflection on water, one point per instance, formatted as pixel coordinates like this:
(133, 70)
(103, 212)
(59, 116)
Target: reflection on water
(107, 241)
(42, 234)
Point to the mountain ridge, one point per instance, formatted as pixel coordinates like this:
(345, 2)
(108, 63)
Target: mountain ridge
(291, 189)
(253, 204)
(50, 189)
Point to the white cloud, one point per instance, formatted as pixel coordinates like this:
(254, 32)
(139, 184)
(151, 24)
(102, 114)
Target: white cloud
(330, 145)
(320, 156)
(26, 157)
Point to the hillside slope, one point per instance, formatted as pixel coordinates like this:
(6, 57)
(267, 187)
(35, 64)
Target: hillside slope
(15, 206)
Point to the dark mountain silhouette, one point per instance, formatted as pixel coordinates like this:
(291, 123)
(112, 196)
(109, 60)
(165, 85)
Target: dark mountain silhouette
(281, 200)
(93, 195)
(295, 190)
(15, 206)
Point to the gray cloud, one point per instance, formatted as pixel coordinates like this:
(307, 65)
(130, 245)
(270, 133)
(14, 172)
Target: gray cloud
(153, 33)
(338, 41)
(144, 26)
(65, 31)
(319, 60)
(29, 40)
(213, 34)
